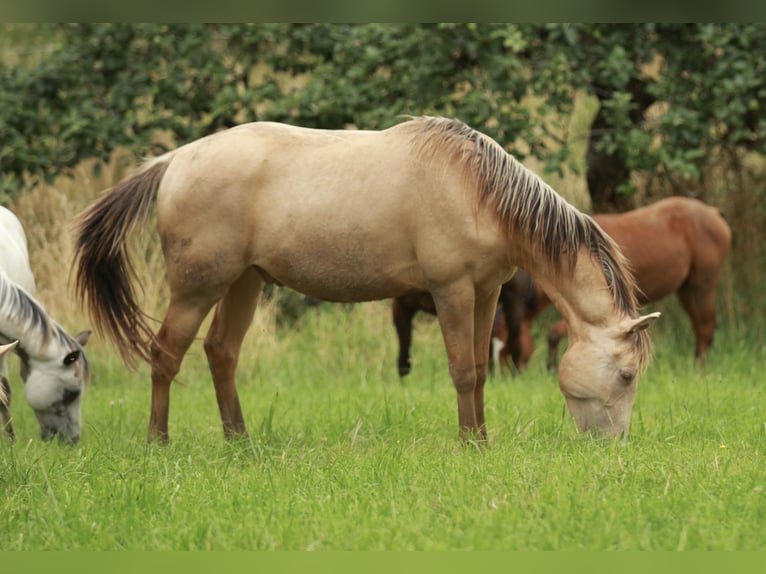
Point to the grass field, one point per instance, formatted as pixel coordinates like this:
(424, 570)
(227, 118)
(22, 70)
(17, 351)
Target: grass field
(344, 456)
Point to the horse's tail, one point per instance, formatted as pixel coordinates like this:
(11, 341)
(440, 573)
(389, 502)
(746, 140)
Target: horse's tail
(104, 273)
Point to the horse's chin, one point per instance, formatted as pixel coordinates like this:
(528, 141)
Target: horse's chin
(592, 417)
(65, 429)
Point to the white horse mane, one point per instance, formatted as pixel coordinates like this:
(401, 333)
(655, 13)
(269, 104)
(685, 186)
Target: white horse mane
(22, 317)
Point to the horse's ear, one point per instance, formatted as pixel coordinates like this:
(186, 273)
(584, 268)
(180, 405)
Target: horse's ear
(82, 337)
(636, 325)
(7, 348)
(72, 357)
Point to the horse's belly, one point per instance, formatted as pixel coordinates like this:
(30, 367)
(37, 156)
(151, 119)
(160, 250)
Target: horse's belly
(340, 284)
(345, 272)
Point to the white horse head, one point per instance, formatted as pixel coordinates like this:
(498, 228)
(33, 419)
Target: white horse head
(53, 365)
(54, 387)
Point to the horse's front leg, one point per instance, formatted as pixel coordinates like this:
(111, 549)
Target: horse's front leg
(455, 312)
(513, 309)
(6, 423)
(485, 307)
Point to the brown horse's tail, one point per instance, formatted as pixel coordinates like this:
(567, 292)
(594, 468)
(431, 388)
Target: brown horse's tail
(104, 273)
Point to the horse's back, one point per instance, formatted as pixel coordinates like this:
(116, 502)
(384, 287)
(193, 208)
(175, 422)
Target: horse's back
(14, 257)
(704, 226)
(667, 240)
(334, 214)
(655, 243)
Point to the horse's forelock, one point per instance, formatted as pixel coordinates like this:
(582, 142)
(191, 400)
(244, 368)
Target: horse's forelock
(621, 282)
(528, 207)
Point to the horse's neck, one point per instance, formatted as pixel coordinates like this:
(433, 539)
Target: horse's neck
(23, 319)
(581, 295)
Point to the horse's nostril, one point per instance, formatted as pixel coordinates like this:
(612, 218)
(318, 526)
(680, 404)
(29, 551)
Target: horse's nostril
(70, 395)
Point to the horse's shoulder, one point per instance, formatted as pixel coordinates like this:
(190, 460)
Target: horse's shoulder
(9, 223)
(14, 257)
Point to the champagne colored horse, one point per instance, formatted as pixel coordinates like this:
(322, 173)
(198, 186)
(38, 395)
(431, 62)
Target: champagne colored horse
(676, 245)
(429, 205)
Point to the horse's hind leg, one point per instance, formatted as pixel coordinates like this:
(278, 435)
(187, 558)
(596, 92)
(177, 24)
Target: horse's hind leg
(699, 304)
(223, 342)
(182, 321)
(402, 315)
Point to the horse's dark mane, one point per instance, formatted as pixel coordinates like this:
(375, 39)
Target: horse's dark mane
(528, 207)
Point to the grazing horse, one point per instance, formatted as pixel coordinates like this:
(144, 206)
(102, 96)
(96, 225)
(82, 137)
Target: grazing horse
(676, 245)
(429, 205)
(53, 366)
(515, 304)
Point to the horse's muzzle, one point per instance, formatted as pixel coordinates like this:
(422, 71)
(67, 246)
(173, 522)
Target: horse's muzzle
(48, 434)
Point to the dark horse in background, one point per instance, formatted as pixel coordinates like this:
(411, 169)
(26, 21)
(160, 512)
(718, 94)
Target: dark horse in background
(517, 303)
(675, 245)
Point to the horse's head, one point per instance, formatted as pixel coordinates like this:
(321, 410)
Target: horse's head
(598, 376)
(54, 387)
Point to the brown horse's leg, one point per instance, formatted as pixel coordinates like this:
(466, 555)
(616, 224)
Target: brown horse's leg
(402, 316)
(500, 334)
(699, 304)
(512, 299)
(557, 332)
(223, 342)
(527, 344)
(182, 321)
(484, 316)
(454, 310)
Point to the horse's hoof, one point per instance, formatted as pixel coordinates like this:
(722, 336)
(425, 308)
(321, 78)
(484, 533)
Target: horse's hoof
(157, 437)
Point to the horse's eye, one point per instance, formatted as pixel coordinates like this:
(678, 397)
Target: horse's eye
(70, 395)
(627, 375)
(71, 357)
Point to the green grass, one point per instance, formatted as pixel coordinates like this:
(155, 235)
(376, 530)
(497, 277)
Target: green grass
(343, 455)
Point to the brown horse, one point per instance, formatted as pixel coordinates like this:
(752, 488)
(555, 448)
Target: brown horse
(516, 303)
(429, 205)
(676, 245)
